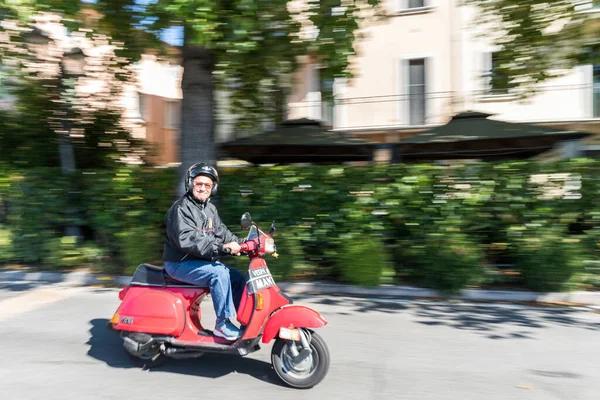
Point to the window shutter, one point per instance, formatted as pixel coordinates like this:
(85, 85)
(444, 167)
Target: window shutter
(486, 71)
(417, 81)
(403, 92)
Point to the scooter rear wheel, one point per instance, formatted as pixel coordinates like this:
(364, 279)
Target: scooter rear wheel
(305, 373)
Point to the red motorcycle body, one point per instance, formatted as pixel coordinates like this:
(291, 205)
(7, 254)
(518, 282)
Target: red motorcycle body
(156, 304)
(160, 317)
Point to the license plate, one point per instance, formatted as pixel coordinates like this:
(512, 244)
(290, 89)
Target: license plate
(260, 279)
(289, 334)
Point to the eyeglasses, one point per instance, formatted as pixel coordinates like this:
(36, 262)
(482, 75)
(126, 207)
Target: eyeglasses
(206, 185)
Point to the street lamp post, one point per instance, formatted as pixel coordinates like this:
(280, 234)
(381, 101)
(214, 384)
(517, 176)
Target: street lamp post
(71, 64)
(71, 67)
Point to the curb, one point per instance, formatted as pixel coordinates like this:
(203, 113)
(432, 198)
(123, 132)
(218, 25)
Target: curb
(72, 278)
(580, 298)
(319, 288)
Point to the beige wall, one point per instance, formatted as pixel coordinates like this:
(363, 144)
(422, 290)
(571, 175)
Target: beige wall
(455, 44)
(164, 139)
(159, 83)
(566, 98)
(376, 96)
(373, 104)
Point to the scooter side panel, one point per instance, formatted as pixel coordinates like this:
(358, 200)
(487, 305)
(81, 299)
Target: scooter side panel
(246, 308)
(151, 311)
(292, 317)
(272, 300)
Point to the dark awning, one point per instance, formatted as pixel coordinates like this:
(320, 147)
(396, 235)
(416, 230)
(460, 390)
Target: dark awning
(473, 135)
(299, 141)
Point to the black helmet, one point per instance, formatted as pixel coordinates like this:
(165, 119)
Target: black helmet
(201, 169)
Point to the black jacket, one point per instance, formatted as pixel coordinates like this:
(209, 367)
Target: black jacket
(195, 231)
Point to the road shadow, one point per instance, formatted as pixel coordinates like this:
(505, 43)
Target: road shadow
(20, 286)
(105, 345)
(496, 322)
(357, 305)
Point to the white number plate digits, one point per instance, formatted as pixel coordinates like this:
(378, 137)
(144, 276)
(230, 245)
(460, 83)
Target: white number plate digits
(260, 278)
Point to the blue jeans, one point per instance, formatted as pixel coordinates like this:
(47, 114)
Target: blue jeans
(226, 284)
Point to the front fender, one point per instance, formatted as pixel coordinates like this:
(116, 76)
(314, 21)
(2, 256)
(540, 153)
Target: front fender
(292, 317)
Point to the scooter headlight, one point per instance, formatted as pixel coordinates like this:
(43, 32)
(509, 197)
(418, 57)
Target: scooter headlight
(270, 246)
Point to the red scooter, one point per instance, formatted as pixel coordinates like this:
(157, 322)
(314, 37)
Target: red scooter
(159, 318)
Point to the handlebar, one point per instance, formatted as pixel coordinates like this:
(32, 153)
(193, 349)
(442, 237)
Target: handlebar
(244, 248)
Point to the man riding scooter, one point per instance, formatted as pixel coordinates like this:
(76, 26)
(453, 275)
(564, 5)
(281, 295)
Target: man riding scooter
(159, 316)
(195, 239)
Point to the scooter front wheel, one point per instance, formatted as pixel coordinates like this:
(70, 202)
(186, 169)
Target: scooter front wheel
(297, 367)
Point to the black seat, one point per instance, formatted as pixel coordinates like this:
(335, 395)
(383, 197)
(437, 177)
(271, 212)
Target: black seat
(148, 274)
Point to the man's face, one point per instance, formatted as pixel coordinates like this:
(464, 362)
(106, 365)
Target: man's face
(202, 187)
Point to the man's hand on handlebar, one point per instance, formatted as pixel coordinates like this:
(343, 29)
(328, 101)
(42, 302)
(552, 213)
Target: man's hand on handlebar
(234, 248)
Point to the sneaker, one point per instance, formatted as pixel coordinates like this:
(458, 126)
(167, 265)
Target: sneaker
(225, 329)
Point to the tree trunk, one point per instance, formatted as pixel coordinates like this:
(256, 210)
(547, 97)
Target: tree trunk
(197, 135)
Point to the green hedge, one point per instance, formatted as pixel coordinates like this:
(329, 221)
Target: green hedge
(445, 227)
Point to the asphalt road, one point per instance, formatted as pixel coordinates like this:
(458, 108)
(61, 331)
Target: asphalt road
(55, 346)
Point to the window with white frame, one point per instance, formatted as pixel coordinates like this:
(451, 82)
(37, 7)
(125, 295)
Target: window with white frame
(143, 106)
(596, 91)
(417, 86)
(313, 95)
(586, 5)
(172, 114)
(8, 86)
(413, 5)
(319, 107)
(496, 79)
(4, 93)
(327, 103)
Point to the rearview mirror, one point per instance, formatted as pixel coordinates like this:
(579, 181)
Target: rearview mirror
(246, 221)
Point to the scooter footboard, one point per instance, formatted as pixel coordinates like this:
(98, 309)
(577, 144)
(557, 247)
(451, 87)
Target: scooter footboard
(292, 316)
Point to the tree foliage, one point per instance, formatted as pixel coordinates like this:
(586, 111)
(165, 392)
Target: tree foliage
(255, 44)
(41, 99)
(539, 39)
(248, 47)
(517, 224)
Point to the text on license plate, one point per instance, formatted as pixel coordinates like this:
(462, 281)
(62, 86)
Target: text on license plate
(260, 278)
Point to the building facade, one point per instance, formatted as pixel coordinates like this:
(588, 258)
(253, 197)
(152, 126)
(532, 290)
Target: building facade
(430, 60)
(152, 107)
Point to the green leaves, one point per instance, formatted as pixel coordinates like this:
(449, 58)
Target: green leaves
(537, 38)
(256, 44)
(440, 227)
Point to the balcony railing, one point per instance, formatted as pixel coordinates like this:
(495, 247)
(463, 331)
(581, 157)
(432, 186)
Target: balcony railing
(548, 103)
